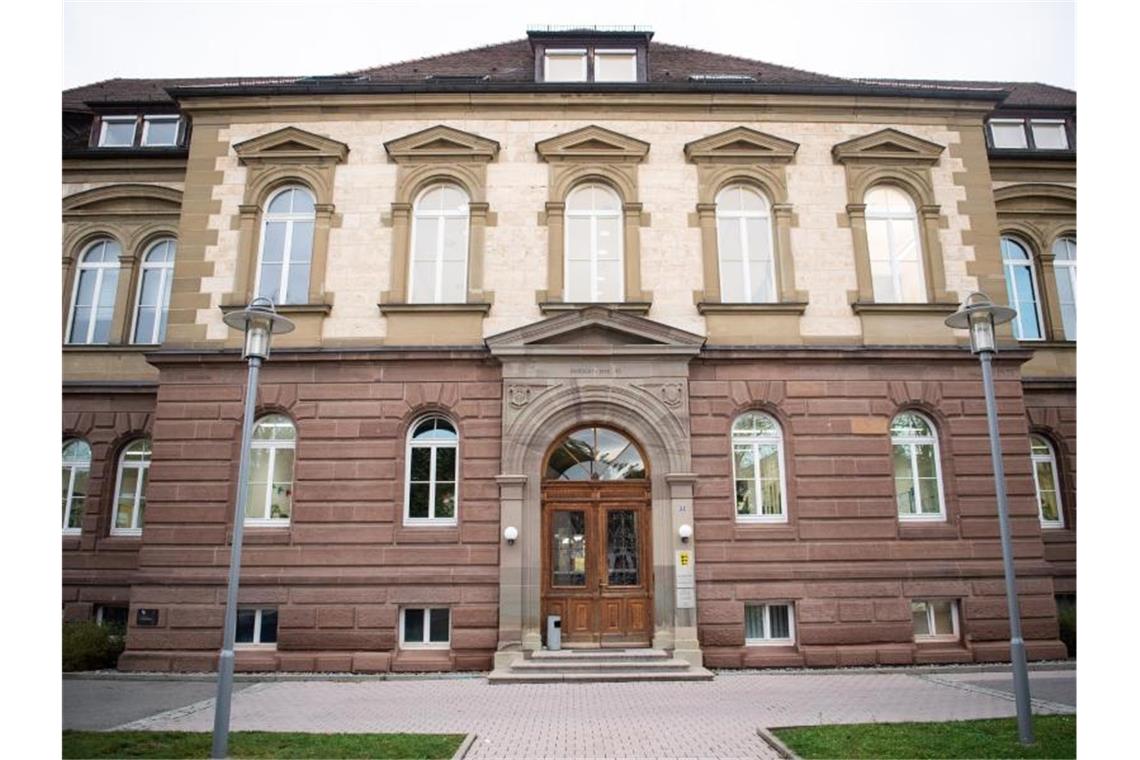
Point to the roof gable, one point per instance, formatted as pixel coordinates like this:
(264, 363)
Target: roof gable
(441, 142)
(595, 330)
(592, 143)
(291, 145)
(887, 146)
(741, 143)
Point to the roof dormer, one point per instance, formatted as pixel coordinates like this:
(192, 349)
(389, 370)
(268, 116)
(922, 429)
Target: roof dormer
(604, 55)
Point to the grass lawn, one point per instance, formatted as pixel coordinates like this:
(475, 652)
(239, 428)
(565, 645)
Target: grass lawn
(179, 744)
(1056, 738)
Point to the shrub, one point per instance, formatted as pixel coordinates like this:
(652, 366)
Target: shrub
(90, 646)
(1067, 619)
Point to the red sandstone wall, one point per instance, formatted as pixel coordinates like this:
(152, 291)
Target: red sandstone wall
(1053, 413)
(843, 556)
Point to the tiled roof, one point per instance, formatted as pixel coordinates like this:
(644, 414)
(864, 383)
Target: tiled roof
(1021, 94)
(111, 91)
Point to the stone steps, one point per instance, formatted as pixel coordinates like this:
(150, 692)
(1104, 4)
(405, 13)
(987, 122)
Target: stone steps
(599, 666)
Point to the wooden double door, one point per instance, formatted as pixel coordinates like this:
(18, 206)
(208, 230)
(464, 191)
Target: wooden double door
(597, 562)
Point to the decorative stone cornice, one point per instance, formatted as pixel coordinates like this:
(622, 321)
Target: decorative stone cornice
(595, 330)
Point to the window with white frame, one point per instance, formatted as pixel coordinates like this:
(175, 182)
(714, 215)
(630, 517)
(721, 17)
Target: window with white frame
(769, 624)
(153, 301)
(76, 469)
(432, 484)
(893, 246)
(1049, 134)
(1046, 481)
(744, 246)
(612, 65)
(1021, 288)
(286, 253)
(758, 468)
(935, 619)
(159, 131)
(439, 246)
(256, 627)
(93, 299)
(1008, 133)
(593, 264)
(564, 66)
(130, 489)
(422, 628)
(117, 131)
(270, 496)
(918, 468)
(1065, 268)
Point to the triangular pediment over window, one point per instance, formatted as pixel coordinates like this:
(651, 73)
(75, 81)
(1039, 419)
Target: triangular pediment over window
(595, 330)
(441, 143)
(124, 200)
(291, 145)
(888, 146)
(592, 143)
(741, 144)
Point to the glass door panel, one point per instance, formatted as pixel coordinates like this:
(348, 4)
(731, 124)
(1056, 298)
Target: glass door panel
(622, 550)
(568, 548)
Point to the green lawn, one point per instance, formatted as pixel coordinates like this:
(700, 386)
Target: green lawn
(1056, 737)
(180, 744)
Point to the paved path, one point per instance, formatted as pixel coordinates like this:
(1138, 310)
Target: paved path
(97, 704)
(717, 719)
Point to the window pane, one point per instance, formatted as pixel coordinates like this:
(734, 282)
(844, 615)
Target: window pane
(268, 626)
(1024, 298)
(418, 499)
(779, 620)
(928, 490)
(1009, 135)
(566, 68)
(105, 309)
(754, 621)
(126, 504)
(273, 249)
(744, 461)
(282, 491)
(445, 463)
(927, 467)
(615, 67)
(878, 248)
(161, 131)
(421, 464)
(1049, 136)
(118, 133)
(621, 547)
(297, 287)
(445, 500)
(943, 618)
(258, 477)
(904, 481)
(760, 261)
(746, 497)
(414, 626)
(78, 492)
(245, 620)
(440, 625)
(909, 424)
(423, 281)
(568, 550)
(918, 616)
(1047, 491)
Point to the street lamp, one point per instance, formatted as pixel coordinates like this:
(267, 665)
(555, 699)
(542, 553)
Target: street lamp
(981, 316)
(259, 321)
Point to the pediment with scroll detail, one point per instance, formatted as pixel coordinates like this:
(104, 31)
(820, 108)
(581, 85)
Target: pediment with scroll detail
(291, 145)
(594, 330)
(741, 144)
(888, 146)
(441, 143)
(592, 143)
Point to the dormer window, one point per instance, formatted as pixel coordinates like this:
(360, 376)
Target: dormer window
(133, 131)
(117, 132)
(565, 66)
(615, 65)
(590, 65)
(1042, 134)
(590, 54)
(160, 131)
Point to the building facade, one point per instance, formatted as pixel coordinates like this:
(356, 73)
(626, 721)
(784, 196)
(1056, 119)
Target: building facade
(670, 319)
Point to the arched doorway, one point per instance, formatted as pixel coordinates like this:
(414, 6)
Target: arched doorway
(597, 555)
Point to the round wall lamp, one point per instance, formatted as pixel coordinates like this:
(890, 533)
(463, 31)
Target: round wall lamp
(511, 534)
(685, 532)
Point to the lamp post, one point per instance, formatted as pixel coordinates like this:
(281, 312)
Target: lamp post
(259, 321)
(980, 316)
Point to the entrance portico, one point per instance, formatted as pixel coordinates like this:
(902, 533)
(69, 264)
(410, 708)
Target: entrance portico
(594, 366)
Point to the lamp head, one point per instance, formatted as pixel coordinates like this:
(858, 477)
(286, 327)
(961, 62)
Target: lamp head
(259, 321)
(980, 316)
(685, 532)
(511, 534)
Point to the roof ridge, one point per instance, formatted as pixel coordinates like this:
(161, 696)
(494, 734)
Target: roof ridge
(435, 55)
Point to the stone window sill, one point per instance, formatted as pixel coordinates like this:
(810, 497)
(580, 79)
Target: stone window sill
(630, 307)
(434, 308)
(1063, 344)
(94, 348)
(917, 529)
(868, 307)
(718, 307)
(264, 534)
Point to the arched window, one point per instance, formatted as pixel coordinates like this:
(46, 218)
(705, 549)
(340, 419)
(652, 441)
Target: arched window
(130, 489)
(918, 468)
(439, 246)
(1021, 287)
(593, 263)
(154, 292)
(270, 496)
(286, 253)
(432, 478)
(93, 302)
(758, 468)
(893, 245)
(1046, 480)
(744, 246)
(76, 468)
(1065, 265)
(595, 453)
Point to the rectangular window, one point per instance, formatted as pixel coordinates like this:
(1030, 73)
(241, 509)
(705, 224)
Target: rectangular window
(615, 65)
(935, 619)
(117, 132)
(565, 66)
(114, 616)
(1008, 133)
(160, 130)
(257, 627)
(1049, 134)
(768, 624)
(425, 628)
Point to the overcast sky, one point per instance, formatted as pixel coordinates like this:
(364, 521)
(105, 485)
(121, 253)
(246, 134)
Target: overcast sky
(1011, 41)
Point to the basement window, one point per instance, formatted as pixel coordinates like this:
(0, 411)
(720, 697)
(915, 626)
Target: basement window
(935, 619)
(425, 628)
(257, 627)
(768, 624)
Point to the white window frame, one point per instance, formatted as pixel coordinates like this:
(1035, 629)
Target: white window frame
(1051, 459)
(755, 441)
(429, 612)
(1008, 122)
(1066, 268)
(165, 280)
(1007, 266)
(104, 121)
(954, 621)
(431, 519)
(769, 641)
(910, 215)
(913, 442)
(101, 267)
(287, 244)
(143, 469)
(602, 52)
(441, 218)
(155, 118)
(74, 468)
(257, 643)
(1050, 123)
(563, 53)
(741, 217)
(594, 215)
(273, 445)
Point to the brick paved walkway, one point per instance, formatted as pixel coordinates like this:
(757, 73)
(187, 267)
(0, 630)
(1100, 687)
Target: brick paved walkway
(717, 719)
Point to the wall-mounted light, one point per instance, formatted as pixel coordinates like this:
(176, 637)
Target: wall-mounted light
(511, 534)
(685, 532)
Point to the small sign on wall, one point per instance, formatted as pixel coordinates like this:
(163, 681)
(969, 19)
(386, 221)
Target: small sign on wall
(146, 616)
(685, 579)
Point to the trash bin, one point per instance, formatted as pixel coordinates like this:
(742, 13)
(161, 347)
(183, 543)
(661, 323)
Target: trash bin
(553, 632)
